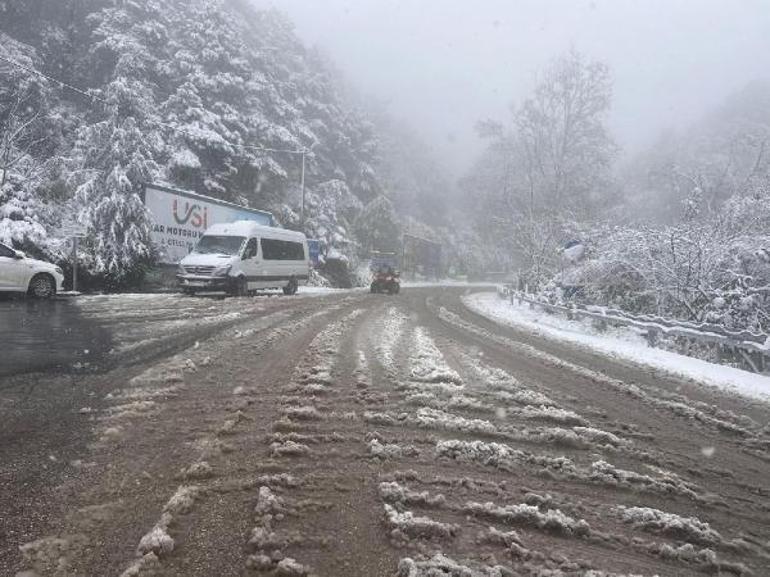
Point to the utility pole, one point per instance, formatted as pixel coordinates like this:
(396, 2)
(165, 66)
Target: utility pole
(302, 185)
(75, 240)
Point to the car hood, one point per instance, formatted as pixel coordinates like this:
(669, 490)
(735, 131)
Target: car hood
(39, 263)
(216, 260)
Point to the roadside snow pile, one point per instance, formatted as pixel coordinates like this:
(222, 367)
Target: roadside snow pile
(50, 555)
(265, 542)
(198, 470)
(157, 541)
(288, 567)
(405, 525)
(392, 331)
(428, 364)
(385, 451)
(435, 419)
(505, 458)
(385, 419)
(498, 380)
(608, 474)
(619, 343)
(183, 500)
(133, 409)
(441, 566)
(576, 437)
(268, 503)
(507, 539)
(464, 401)
(499, 456)
(362, 372)
(289, 449)
(304, 413)
(710, 415)
(551, 520)
(506, 389)
(685, 528)
(278, 480)
(393, 492)
(601, 437)
(146, 565)
(313, 373)
(548, 413)
(593, 573)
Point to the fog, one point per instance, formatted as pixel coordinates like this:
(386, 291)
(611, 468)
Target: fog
(440, 65)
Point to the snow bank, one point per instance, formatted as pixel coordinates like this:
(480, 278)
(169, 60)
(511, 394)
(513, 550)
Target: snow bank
(406, 524)
(505, 458)
(385, 451)
(439, 565)
(550, 520)
(393, 492)
(427, 362)
(689, 529)
(156, 541)
(619, 343)
(447, 283)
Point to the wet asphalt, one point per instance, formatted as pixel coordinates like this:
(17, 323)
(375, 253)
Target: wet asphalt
(48, 335)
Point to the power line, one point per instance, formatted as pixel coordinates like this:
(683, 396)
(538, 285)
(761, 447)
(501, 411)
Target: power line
(92, 97)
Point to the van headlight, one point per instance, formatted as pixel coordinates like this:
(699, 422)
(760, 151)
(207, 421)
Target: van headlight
(180, 270)
(222, 270)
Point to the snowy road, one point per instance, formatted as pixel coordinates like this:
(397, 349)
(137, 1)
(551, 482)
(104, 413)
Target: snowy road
(360, 435)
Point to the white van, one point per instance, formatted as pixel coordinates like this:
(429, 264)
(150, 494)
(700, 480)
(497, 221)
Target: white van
(19, 273)
(241, 257)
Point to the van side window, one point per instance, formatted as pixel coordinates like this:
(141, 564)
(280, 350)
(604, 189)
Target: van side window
(251, 249)
(270, 249)
(282, 250)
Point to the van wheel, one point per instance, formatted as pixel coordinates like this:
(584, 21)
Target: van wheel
(291, 288)
(240, 288)
(42, 286)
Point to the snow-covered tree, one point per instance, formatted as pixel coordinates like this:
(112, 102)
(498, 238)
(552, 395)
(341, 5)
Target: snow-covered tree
(377, 227)
(116, 157)
(549, 169)
(28, 138)
(330, 210)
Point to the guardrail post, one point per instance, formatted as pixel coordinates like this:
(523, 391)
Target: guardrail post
(749, 361)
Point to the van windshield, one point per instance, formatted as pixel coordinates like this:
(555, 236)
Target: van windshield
(227, 245)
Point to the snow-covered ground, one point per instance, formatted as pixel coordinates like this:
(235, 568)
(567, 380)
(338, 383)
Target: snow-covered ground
(322, 290)
(446, 282)
(618, 342)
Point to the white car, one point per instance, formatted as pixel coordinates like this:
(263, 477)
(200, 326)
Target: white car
(19, 273)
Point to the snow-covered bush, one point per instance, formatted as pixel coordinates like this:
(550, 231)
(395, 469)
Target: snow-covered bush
(23, 215)
(714, 269)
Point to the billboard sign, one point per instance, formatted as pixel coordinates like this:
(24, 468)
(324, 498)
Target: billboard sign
(179, 218)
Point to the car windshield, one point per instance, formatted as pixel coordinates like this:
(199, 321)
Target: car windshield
(226, 245)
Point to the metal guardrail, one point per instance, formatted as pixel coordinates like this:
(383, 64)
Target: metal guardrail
(751, 349)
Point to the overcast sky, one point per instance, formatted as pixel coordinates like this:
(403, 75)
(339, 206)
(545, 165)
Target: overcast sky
(441, 65)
